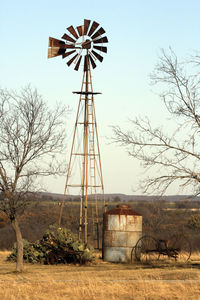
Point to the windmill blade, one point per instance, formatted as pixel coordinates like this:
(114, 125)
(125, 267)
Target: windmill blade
(93, 28)
(68, 53)
(86, 26)
(86, 63)
(80, 30)
(55, 42)
(92, 61)
(68, 38)
(71, 60)
(101, 48)
(98, 33)
(72, 31)
(101, 40)
(78, 63)
(98, 56)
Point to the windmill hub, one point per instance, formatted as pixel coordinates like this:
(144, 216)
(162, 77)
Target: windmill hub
(86, 44)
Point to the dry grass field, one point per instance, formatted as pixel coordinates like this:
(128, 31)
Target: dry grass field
(100, 281)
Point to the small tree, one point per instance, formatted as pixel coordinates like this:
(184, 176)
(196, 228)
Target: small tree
(30, 136)
(174, 154)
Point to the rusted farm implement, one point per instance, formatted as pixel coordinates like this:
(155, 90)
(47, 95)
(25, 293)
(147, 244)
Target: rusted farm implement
(63, 256)
(149, 248)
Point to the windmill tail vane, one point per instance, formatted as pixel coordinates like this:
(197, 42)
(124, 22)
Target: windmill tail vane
(85, 41)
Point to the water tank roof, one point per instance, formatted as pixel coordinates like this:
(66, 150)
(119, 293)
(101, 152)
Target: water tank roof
(122, 210)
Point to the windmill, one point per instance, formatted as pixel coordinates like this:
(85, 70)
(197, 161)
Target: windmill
(84, 44)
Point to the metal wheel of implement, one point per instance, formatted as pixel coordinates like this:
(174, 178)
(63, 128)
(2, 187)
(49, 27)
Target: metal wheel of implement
(133, 255)
(146, 249)
(179, 248)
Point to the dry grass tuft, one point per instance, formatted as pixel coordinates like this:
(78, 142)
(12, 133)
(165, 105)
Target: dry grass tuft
(100, 281)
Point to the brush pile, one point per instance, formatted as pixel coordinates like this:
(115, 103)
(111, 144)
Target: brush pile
(57, 246)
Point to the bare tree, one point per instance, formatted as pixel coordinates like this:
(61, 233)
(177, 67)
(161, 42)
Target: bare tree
(30, 137)
(172, 152)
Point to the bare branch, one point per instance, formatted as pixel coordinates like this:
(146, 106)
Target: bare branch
(175, 157)
(31, 136)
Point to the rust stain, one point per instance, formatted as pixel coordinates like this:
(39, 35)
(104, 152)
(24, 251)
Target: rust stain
(122, 210)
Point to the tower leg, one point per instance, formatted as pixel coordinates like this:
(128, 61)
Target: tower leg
(89, 153)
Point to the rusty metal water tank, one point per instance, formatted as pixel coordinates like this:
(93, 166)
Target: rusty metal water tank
(122, 229)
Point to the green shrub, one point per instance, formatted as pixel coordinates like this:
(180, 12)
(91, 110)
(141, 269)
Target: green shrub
(58, 245)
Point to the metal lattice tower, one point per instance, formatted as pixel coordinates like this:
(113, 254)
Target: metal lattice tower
(85, 143)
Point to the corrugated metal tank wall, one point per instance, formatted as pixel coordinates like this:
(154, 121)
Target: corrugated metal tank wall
(122, 228)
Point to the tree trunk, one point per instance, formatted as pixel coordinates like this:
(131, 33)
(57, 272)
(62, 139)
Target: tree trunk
(19, 265)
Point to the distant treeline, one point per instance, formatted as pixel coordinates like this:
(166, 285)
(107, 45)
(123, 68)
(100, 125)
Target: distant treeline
(119, 197)
(161, 218)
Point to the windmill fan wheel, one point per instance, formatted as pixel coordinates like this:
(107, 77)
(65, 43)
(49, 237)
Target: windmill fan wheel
(86, 40)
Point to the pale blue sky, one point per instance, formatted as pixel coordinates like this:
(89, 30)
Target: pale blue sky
(136, 30)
